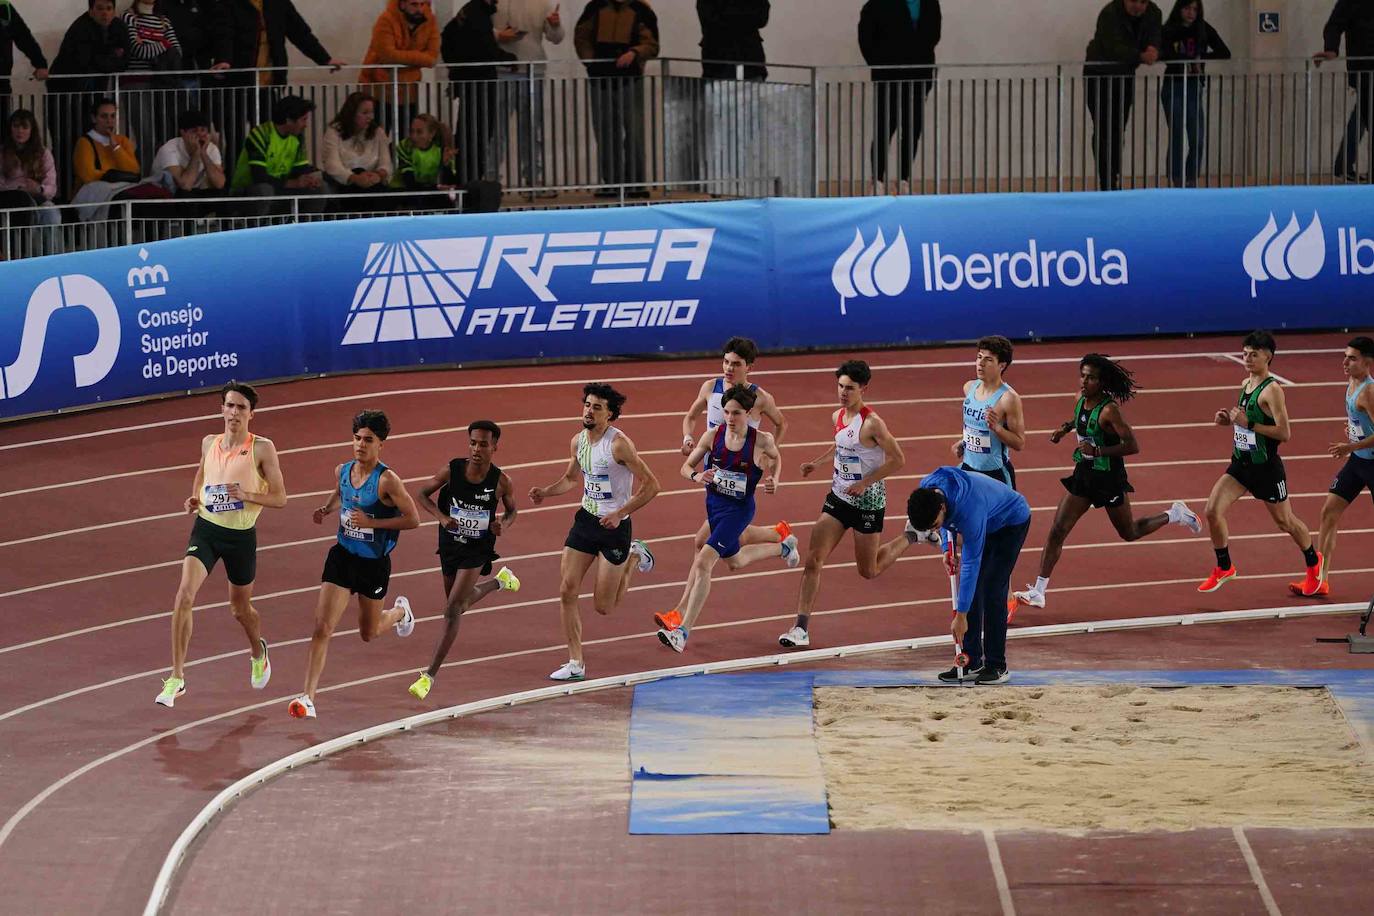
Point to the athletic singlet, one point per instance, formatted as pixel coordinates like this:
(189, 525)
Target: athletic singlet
(737, 474)
(983, 451)
(373, 543)
(605, 483)
(1250, 446)
(1361, 426)
(471, 505)
(715, 408)
(220, 469)
(854, 461)
(1088, 427)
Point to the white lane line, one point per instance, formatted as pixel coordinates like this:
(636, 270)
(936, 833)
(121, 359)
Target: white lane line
(584, 378)
(631, 418)
(1271, 906)
(1240, 362)
(1028, 633)
(999, 874)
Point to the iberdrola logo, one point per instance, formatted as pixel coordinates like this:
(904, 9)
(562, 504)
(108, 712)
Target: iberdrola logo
(870, 269)
(1290, 254)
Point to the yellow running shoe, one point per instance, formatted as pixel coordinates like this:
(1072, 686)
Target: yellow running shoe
(420, 689)
(262, 669)
(172, 688)
(508, 580)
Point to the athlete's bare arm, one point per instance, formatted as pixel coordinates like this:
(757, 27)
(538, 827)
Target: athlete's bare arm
(695, 457)
(624, 452)
(562, 484)
(1112, 418)
(392, 492)
(810, 466)
(505, 491)
(269, 466)
(1276, 405)
(1007, 420)
(772, 463)
(427, 502)
(689, 419)
(768, 408)
(958, 447)
(874, 432)
(331, 505)
(192, 504)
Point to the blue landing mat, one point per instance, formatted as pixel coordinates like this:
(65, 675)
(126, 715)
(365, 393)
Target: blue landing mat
(726, 753)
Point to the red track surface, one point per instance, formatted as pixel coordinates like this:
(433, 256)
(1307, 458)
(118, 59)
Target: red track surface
(97, 784)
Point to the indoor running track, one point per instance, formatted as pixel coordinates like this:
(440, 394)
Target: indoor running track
(98, 780)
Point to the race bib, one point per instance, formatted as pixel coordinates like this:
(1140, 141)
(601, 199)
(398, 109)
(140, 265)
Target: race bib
(472, 523)
(217, 498)
(1353, 431)
(350, 531)
(1082, 439)
(978, 441)
(596, 489)
(731, 483)
(849, 469)
(1244, 438)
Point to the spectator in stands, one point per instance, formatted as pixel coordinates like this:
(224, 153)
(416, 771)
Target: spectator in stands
(523, 27)
(273, 160)
(615, 38)
(425, 161)
(470, 37)
(730, 32)
(191, 164)
(200, 27)
(104, 154)
(1128, 34)
(356, 152)
(28, 177)
(1189, 39)
(407, 34)
(153, 43)
(1355, 20)
(899, 32)
(14, 32)
(95, 45)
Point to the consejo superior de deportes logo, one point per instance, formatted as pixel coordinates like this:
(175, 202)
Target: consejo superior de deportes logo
(71, 291)
(1291, 254)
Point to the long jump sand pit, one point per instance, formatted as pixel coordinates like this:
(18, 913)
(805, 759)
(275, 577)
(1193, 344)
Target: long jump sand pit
(1115, 757)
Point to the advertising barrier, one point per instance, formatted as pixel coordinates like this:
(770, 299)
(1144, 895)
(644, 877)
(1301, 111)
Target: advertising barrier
(347, 296)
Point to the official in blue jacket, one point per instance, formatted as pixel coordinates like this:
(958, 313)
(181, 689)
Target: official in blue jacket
(992, 519)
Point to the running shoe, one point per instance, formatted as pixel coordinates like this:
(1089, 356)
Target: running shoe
(990, 676)
(1180, 514)
(406, 625)
(1322, 590)
(572, 671)
(172, 688)
(646, 556)
(420, 689)
(673, 639)
(1029, 597)
(262, 669)
(302, 707)
(508, 580)
(953, 675)
(1218, 578)
(791, 555)
(783, 529)
(794, 638)
(669, 620)
(916, 536)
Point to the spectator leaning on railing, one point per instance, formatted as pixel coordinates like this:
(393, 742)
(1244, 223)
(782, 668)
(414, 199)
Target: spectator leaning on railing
(14, 33)
(899, 32)
(273, 161)
(470, 37)
(28, 177)
(522, 27)
(153, 43)
(256, 33)
(406, 34)
(730, 32)
(1189, 39)
(356, 151)
(201, 27)
(1128, 34)
(615, 38)
(1353, 19)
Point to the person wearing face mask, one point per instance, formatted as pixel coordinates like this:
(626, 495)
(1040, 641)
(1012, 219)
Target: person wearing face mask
(406, 34)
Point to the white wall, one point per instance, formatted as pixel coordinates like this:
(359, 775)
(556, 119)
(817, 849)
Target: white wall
(814, 32)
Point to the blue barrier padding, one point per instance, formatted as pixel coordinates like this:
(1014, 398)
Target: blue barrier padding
(355, 295)
(730, 753)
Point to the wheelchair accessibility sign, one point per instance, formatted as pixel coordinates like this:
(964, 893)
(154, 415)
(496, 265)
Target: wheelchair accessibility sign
(1269, 23)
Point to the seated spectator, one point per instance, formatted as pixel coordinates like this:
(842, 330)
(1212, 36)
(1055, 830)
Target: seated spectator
(191, 165)
(95, 46)
(356, 153)
(105, 166)
(28, 177)
(273, 163)
(405, 34)
(425, 161)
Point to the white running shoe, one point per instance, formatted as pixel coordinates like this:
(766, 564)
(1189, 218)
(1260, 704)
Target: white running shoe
(302, 707)
(572, 671)
(406, 625)
(172, 688)
(794, 638)
(646, 556)
(791, 555)
(260, 670)
(916, 536)
(673, 639)
(1030, 597)
(508, 580)
(1180, 514)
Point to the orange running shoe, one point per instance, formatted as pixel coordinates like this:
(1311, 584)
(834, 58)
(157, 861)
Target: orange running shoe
(1300, 589)
(1012, 605)
(1218, 578)
(669, 620)
(784, 530)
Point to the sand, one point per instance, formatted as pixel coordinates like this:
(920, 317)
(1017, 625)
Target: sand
(1118, 757)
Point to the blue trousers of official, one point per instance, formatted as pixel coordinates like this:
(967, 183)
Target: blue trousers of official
(986, 640)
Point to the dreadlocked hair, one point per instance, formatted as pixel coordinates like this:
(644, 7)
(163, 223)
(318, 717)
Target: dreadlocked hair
(1117, 381)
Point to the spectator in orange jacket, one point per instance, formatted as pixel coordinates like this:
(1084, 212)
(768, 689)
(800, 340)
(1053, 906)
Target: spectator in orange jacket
(405, 33)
